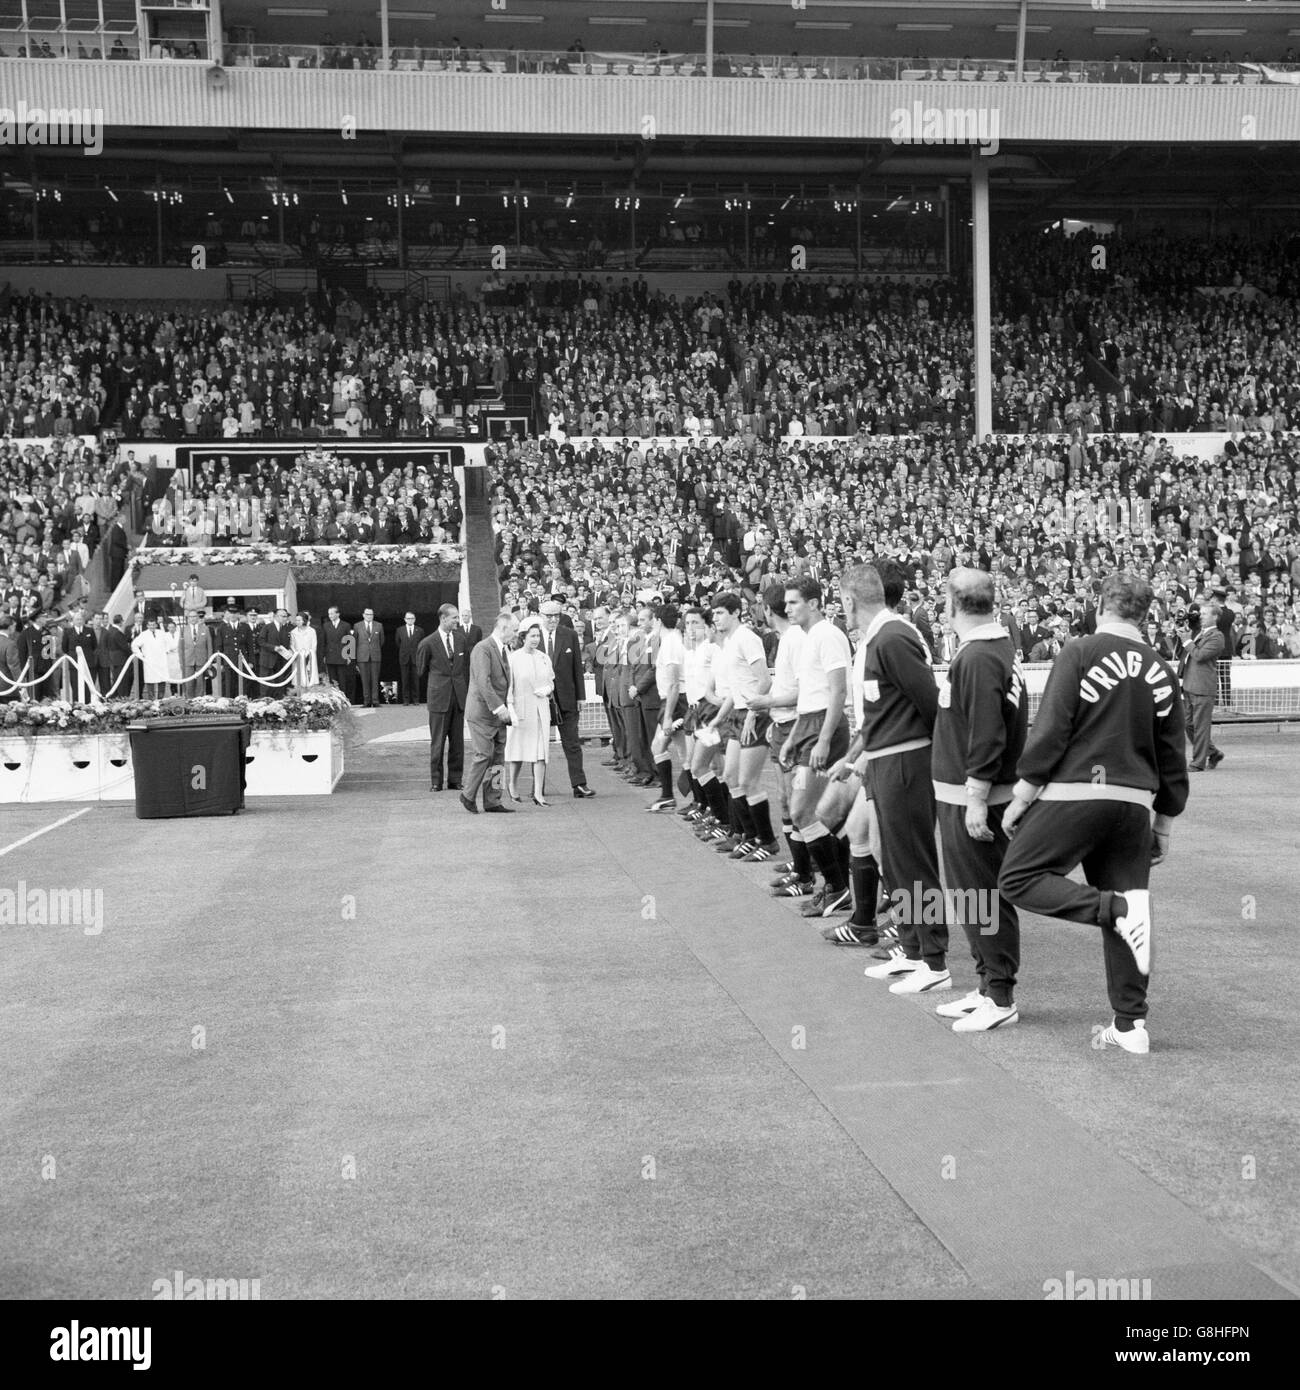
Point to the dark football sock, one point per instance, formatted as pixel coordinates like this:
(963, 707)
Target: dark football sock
(827, 859)
(665, 771)
(741, 810)
(761, 814)
(799, 855)
(865, 878)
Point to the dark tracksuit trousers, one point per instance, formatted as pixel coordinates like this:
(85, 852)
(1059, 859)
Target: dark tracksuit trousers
(974, 864)
(909, 854)
(1112, 840)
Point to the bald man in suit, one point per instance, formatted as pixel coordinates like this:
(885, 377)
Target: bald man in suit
(487, 715)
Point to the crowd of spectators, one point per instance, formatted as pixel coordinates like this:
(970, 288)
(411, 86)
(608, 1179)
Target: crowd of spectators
(57, 505)
(824, 418)
(1126, 341)
(320, 499)
(608, 523)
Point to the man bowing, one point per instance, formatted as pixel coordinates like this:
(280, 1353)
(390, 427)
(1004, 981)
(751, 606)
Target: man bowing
(487, 713)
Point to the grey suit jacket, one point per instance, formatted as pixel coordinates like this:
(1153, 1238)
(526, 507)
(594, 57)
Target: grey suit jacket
(1200, 676)
(489, 682)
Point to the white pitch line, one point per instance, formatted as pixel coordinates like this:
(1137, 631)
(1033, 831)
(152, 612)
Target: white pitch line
(36, 834)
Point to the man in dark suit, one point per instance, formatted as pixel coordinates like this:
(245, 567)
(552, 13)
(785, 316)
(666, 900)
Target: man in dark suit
(561, 645)
(270, 638)
(473, 633)
(36, 651)
(369, 638)
(77, 637)
(647, 707)
(487, 714)
(115, 654)
(339, 651)
(409, 637)
(444, 654)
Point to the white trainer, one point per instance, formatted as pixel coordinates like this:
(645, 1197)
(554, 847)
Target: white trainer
(986, 1018)
(1137, 1040)
(959, 1008)
(1135, 927)
(922, 981)
(897, 964)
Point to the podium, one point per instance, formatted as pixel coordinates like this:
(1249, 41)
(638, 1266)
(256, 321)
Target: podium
(188, 767)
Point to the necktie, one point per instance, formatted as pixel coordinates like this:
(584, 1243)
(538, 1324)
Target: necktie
(451, 648)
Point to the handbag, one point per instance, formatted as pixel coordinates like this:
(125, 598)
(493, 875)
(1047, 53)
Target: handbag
(556, 716)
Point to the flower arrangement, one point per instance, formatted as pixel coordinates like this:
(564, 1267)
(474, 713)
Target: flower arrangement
(317, 563)
(319, 707)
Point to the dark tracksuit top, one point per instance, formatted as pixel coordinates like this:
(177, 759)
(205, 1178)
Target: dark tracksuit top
(899, 696)
(1110, 726)
(983, 716)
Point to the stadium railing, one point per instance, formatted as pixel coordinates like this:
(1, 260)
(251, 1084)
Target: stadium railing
(1261, 690)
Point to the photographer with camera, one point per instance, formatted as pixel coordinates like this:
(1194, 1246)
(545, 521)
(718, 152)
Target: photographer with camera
(1198, 671)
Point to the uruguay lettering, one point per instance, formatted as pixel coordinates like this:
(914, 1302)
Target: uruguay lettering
(1115, 667)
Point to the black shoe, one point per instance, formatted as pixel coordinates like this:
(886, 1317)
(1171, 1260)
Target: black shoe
(435, 788)
(468, 804)
(453, 786)
(500, 810)
(1215, 759)
(582, 793)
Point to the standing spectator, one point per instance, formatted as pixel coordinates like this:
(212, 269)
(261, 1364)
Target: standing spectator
(338, 650)
(409, 637)
(369, 638)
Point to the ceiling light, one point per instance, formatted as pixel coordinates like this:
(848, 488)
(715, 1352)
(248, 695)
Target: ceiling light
(821, 24)
(1121, 32)
(612, 21)
(923, 28)
(1029, 28)
(1217, 33)
(513, 18)
(296, 12)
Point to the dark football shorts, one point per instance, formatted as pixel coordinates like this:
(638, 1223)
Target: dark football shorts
(762, 723)
(780, 733)
(698, 715)
(803, 739)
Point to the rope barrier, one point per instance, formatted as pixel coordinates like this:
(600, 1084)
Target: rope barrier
(90, 694)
